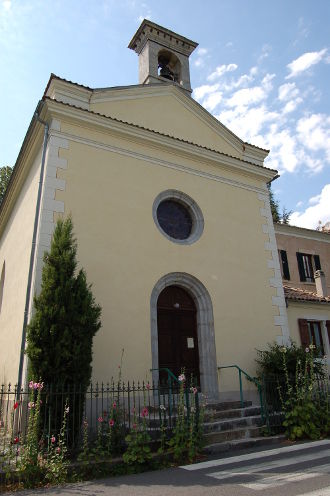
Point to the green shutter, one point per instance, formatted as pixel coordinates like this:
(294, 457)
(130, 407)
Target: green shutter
(317, 262)
(285, 265)
(301, 267)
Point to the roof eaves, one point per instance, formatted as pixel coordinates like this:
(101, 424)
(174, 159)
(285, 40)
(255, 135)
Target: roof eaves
(137, 126)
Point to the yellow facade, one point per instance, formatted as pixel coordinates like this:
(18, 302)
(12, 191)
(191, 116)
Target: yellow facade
(108, 175)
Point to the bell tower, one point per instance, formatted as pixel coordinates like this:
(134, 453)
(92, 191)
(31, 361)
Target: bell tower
(163, 55)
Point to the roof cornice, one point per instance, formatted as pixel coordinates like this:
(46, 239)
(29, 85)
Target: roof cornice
(301, 232)
(135, 132)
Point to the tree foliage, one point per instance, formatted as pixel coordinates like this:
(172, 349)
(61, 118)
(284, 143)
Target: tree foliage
(283, 218)
(5, 173)
(60, 334)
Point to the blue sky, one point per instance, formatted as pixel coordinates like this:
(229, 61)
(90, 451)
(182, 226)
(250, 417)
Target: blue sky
(262, 68)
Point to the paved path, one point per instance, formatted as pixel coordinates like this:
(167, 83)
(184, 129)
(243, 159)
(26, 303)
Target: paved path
(300, 469)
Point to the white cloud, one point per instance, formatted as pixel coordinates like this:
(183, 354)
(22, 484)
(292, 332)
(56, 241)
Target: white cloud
(212, 100)
(320, 211)
(6, 4)
(201, 91)
(249, 96)
(314, 199)
(299, 204)
(287, 91)
(314, 133)
(201, 54)
(291, 106)
(304, 62)
(247, 123)
(220, 70)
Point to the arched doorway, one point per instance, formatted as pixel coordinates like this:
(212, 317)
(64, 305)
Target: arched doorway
(177, 333)
(205, 328)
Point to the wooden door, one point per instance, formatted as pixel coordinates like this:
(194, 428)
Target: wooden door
(177, 333)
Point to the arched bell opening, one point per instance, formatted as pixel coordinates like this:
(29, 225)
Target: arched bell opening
(169, 66)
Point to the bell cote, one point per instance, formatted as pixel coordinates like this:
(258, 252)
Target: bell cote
(163, 55)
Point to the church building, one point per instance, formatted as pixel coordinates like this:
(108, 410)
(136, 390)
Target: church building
(172, 219)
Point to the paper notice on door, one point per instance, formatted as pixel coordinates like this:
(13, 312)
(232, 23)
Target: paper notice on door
(190, 343)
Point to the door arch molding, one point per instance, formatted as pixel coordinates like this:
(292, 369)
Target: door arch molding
(205, 328)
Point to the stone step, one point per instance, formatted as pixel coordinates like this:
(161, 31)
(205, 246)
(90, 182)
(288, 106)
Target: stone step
(213, 415)
(229, 435)
(227, 405)
(242, 444)
(233, 423)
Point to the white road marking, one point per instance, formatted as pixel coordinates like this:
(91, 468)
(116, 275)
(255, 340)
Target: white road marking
(279, 480)
(325, 491)
(260, 467)
(253, 456)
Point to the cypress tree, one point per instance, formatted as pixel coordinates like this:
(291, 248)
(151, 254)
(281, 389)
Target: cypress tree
(60, 334)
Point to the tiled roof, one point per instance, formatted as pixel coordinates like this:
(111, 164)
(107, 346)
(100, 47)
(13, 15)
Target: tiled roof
(299, 294)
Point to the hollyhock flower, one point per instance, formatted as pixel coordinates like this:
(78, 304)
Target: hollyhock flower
(16, 405)
(181, 378)
(111, 422)
(114, 405)
(194, 390)
(16, 440)
(58, 450)
(52, 439)
(148, 386)
(145, 412)
(31, 404)
(307, 350)
(67, 409)
(134, 426)
(31, 384)
(100, 419)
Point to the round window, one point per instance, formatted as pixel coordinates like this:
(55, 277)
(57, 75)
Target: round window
(178, 217)
(175, 219)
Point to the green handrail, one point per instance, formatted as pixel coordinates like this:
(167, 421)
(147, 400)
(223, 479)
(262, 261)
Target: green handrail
(170, 378)
(249, 378)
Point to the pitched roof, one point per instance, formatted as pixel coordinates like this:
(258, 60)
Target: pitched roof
(94, 90)
(299, 294)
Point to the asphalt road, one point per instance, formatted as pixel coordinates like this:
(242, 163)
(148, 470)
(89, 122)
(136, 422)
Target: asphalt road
(298, 469)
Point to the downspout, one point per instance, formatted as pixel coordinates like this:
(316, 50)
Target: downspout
(33, 251)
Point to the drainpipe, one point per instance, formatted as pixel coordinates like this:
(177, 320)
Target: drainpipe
(33, 250)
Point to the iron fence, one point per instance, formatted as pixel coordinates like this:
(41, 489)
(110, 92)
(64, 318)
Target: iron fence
(104, 406)
(276, 391)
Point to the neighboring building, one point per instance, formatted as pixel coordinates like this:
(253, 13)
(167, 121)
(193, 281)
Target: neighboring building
(171, 213)
(305, 266)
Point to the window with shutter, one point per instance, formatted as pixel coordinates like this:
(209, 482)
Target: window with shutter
(304, 334)
(284, 265)
(307, 265)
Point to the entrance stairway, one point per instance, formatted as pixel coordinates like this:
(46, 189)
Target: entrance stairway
(229, 426)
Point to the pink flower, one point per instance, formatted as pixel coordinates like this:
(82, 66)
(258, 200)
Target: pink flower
(31, 404)
(31, 384)
(16, 440)
(114, 405)
(15, 405)
(148, 386)
(145, 412)
(134, 426)
(111, 422)
(181, 378)
(52, 439)
(100, 419)
(194, 390)
(58, 450)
